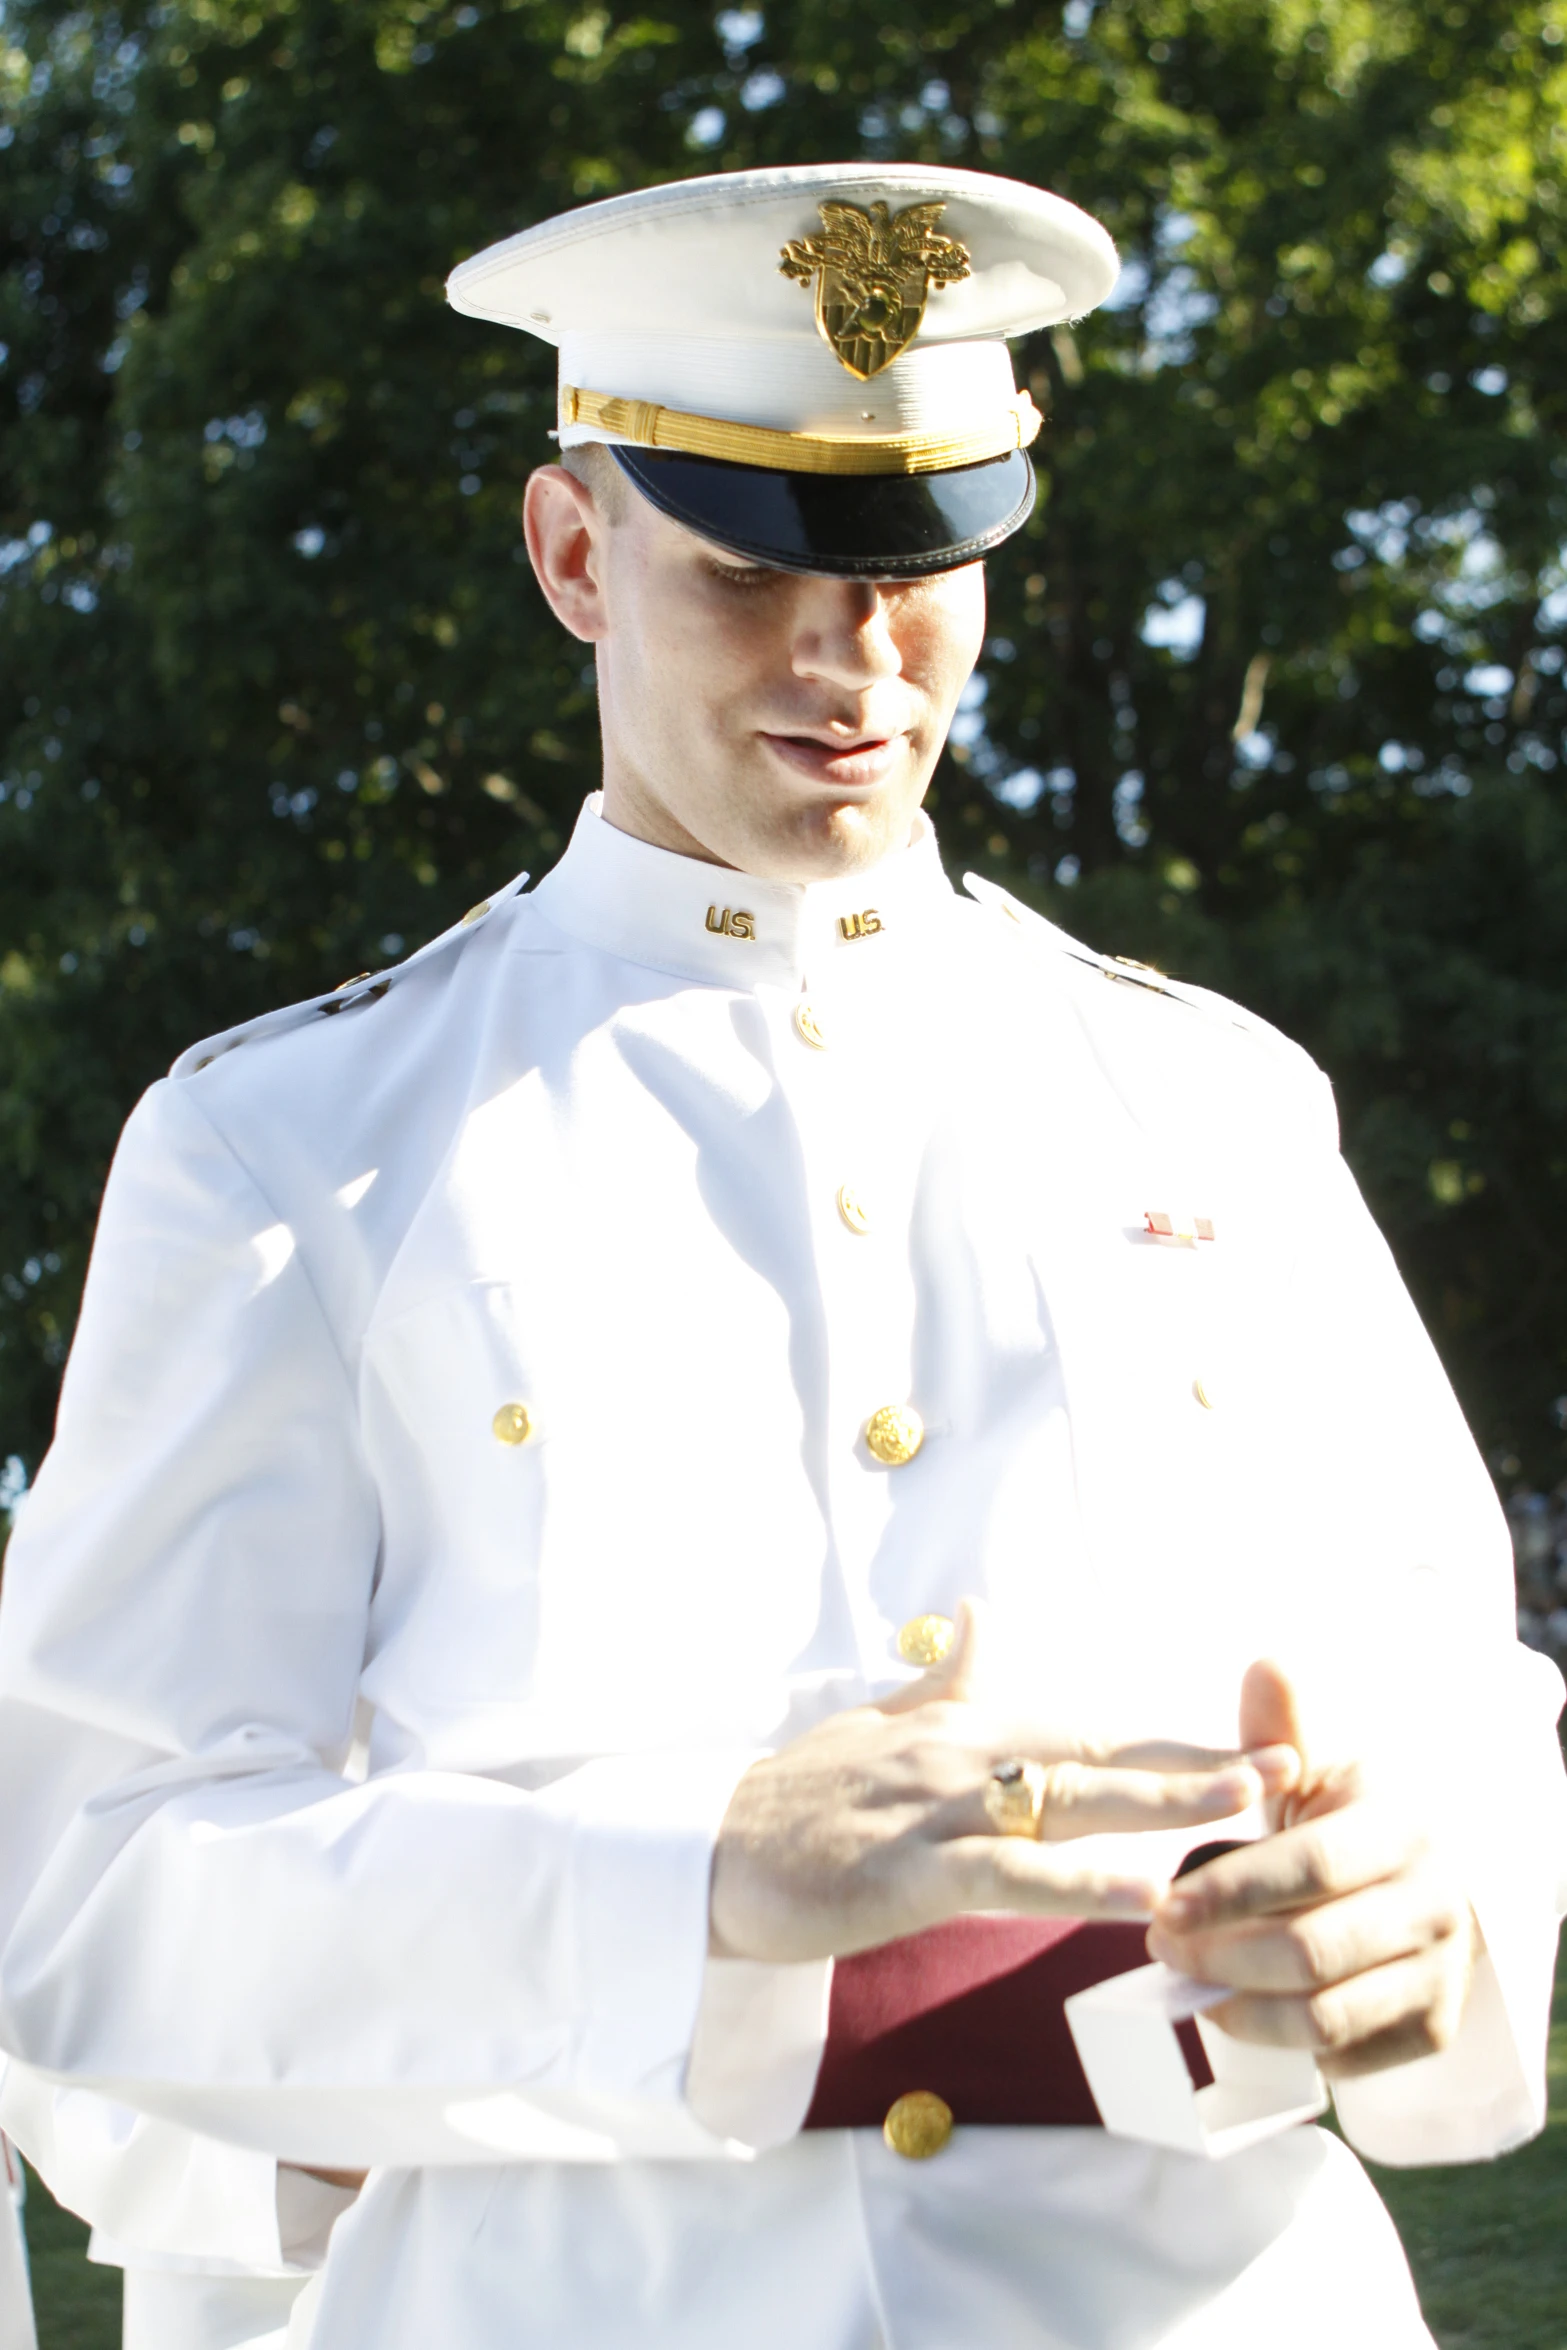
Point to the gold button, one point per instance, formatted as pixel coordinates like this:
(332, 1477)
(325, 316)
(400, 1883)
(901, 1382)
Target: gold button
(476, 913)
(513, 1423)
(809, 1026)
(852, 1210)
(1204, 1393)
(895, 1433)
(925, 1640)
(918, 2125)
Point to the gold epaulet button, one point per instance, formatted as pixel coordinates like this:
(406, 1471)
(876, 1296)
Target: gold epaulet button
(340, 1001)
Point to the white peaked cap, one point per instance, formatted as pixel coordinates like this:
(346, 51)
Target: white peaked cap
(681, 332)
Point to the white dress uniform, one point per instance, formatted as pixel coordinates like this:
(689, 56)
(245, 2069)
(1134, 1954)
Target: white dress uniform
(495, 1346)
(215, 2240)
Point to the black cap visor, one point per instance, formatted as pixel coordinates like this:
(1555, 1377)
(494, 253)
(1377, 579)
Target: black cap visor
(841, 525)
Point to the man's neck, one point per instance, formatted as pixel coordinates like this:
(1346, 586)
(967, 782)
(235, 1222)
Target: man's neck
(627, 804)
(630, 808)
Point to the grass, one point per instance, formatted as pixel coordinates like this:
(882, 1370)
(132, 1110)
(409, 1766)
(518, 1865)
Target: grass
(1488, 2244)
(77, 2305)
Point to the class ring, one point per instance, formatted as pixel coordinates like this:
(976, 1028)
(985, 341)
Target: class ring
(1015, 1798)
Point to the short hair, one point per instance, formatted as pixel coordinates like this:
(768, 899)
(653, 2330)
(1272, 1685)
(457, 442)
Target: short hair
(591, 463)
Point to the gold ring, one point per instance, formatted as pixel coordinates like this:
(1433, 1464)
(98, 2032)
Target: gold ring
(1015, 1798)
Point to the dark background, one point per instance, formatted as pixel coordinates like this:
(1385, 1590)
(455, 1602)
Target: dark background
(1273, 695)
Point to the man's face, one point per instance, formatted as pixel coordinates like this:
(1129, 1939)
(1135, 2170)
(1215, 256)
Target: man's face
(784, 725)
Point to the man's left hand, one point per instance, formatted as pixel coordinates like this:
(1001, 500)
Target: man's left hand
(1341, 1932)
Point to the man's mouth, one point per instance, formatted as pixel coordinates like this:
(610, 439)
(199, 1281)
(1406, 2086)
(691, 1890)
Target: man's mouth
(856, 763)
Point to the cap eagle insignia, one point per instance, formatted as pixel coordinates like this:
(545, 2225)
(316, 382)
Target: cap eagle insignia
(874, 271)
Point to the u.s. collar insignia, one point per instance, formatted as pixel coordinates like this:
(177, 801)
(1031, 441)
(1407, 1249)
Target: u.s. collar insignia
(874, 271)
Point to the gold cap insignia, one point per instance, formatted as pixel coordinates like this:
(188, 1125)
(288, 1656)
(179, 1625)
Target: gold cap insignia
(873, 272)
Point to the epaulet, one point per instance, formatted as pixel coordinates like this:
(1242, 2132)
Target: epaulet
(1166, 1089)
(368, 988)
(1119, 968)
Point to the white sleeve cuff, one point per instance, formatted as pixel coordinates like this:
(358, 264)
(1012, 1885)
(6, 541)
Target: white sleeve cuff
(643, 1829)
(151, 2186)
(1486, 2093)
(758, 2047)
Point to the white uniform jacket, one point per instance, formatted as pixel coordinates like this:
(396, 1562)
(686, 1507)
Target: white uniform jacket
(493, 1349)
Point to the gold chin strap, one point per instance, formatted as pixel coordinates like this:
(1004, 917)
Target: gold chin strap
(651, 427)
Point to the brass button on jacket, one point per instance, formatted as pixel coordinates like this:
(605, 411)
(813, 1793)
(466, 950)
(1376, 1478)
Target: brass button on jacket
(808, 1026)
(918, 2125)
(513, 1423)
(925, 1640)
(1202, 1389)
(895, 1434)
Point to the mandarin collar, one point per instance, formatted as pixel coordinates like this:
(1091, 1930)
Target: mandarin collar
(708, 922)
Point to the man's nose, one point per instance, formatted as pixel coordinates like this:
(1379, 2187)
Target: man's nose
(844, 634)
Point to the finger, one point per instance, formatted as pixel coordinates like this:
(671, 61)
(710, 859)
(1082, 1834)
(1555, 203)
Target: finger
(1421, 2036)
(1278, 1767)
(1270, 1713)
(1082, 1800)
(1318, 1860)
(1414, 2005)
(1007, 1872)
(1270, 1708)
(1329, 1789)
(1314, 1948)
(954, 1678)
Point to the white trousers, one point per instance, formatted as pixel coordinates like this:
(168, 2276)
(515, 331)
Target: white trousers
(170, 2309)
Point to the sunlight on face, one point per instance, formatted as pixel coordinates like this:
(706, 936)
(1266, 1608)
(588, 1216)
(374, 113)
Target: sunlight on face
(784, 725)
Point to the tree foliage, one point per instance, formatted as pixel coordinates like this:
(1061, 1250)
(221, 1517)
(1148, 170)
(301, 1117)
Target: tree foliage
(1274, 690)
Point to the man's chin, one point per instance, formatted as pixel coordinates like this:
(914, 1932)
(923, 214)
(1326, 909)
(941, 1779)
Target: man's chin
(832, 837)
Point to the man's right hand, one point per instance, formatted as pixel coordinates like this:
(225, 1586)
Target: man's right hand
(873, 1825)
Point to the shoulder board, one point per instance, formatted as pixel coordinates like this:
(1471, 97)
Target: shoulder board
(1160, 1085)
(368, 988)
(1118, 968)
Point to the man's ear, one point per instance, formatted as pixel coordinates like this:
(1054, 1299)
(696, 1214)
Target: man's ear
(566, 537)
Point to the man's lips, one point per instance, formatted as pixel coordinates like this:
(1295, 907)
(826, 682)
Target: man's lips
(866, 760)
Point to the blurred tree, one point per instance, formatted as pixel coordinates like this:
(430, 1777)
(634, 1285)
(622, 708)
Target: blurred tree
(1274, 690)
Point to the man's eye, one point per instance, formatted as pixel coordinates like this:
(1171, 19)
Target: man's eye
(750, 575)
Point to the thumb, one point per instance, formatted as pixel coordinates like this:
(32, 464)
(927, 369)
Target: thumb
(1270, 1711)
(957, 1675)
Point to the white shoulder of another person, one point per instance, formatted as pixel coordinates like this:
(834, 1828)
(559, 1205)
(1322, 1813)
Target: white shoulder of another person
(354, 1003)
(1178, 1054)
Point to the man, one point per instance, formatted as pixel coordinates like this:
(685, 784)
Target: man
(616, 1350)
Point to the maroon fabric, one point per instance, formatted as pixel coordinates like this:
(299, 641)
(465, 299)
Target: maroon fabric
(972, 2010)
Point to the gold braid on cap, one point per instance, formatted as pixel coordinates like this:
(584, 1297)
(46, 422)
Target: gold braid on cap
(652, 427)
